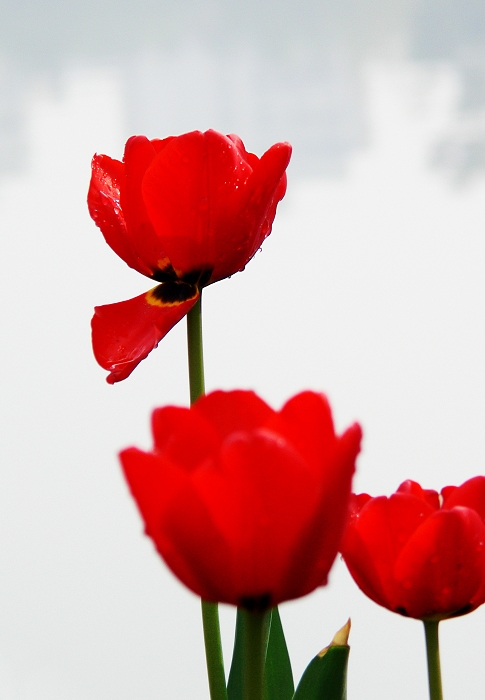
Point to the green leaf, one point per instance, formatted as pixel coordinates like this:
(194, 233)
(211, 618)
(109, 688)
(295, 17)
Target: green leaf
(325, 677)
(278, 680)
(278, 676)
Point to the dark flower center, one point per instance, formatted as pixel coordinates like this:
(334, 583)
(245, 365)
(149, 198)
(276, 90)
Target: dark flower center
(258, 603)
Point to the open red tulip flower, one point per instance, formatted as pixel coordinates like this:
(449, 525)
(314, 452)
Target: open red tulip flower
(419, 553)
(184, 211)
(246, 505)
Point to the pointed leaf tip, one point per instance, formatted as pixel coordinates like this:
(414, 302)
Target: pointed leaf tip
(340, 639)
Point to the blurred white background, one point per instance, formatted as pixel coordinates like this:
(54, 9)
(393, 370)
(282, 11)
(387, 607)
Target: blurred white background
(370, 288)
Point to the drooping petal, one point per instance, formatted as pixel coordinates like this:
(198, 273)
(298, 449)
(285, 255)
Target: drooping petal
(233, 411)
(104, 205)
(442, 565)
(125, 333)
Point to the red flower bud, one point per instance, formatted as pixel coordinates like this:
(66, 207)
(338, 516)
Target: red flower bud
(185, 211)
(245, 504)
(418, 553)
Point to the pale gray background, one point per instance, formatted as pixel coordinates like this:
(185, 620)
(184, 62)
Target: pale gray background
(370, 289)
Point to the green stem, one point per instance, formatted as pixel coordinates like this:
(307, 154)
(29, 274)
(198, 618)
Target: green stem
(255, 638)
(433, 654)
(210, 611)
(195, 349)
(213, 651)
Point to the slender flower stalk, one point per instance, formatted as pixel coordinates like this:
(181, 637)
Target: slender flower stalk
(195, 351)
(255, 640)
(433, 654)
(210, 611)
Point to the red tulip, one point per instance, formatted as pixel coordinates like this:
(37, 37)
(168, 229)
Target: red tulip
(418, 553)
(246, 505)
(185, 211)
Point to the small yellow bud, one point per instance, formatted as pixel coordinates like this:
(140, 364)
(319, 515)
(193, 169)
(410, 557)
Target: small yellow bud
(341, 638)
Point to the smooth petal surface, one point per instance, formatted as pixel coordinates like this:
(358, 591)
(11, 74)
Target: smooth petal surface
(438, 569)
(138, 156)
(153, 483)
(325, 529)
(471, 494)
(124, 333)
(416, 558)
(306, 421)
(205, 204)
(374, 538)
(184, 436)
(245, 518)
(233, 411)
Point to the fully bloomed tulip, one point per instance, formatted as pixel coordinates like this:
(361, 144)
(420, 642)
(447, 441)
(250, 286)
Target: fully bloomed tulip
(246, 505)
(418, 553)
(184, 211)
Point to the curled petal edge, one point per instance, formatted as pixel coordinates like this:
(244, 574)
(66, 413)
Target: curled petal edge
(123, 334)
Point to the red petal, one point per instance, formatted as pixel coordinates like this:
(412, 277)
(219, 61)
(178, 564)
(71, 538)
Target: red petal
(471, 494)
(374, 539)
(361, 565)
(139, 153)
(446, 492)
(428, 495)
(245, 220)
(267, 187)
(318, 547)
(183, 436)
(260, 499)
(195, 548)
(176, 193)
(233, 411)
(442, 565)
(357, 502)
(105, 209)
(201, 204)
(306, 421)
(153, 483)
(123, 334)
